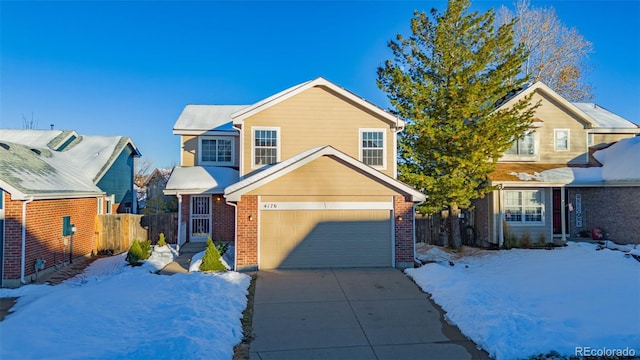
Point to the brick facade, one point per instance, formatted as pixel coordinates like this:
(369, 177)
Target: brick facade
(404, 227)
(612, 208)
(44, 238)
(224, 222)
(247, 236)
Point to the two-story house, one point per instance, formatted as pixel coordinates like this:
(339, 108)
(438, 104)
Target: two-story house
(303, 179)
(541, 192)
(47, 176)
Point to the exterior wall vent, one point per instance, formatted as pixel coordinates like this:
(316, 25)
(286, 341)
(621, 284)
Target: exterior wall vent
(5, 146)
(36, 151)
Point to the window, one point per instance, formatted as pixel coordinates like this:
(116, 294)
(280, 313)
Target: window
(524, 207)
(524, 146)
(589, 139)
(561, 139)
(216, 151)
(372, 147)
(265, 146)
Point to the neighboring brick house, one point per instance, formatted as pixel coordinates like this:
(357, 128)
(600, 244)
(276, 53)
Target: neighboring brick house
(539, 177)
(46, 175)
(303, 179)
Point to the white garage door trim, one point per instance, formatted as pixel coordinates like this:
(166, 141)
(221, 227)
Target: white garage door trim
(336, 205)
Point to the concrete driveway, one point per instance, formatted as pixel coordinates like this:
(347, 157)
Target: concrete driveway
(350, 314)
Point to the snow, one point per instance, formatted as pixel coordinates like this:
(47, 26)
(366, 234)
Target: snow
(207, 118)
(620, 162)
(114, 311)
(202, 179)
(604, 117)
(520, 303)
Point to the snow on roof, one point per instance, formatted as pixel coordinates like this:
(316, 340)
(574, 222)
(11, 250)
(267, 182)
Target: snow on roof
(200, 180)
(202, 118)
(604, 117)
(81, 163)
(620, 164)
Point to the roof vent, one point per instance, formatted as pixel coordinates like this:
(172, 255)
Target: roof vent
(4, 146)
(36, 151)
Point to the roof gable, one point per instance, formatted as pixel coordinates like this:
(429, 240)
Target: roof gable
(270, 173)
(239, 116)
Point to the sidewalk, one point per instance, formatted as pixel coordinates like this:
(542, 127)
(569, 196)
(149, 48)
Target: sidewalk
(181, 264)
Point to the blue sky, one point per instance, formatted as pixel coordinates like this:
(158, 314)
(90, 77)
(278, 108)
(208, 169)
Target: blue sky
(129, 68)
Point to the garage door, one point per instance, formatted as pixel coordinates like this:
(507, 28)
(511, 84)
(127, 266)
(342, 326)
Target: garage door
(325, 238)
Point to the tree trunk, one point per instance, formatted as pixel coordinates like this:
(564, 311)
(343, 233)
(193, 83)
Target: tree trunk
(455, 237)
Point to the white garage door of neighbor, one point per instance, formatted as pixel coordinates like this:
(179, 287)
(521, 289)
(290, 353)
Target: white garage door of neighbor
(325, 238)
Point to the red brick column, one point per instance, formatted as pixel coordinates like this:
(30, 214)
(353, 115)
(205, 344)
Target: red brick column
(403, 208)
(247, 234)
(224, 219)
(185, 209)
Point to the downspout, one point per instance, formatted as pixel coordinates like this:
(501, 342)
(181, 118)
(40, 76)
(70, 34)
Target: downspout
(235, 233)
(500, 218)
(413, 218)
(179, 196)
(24, 240)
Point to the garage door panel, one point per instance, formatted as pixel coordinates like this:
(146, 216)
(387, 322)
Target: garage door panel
(323, 238)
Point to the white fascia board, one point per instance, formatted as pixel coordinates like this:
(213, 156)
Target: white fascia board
(56, 196)
(241, 115)
(614, 131)
(547, 90)
(192, 191)
(234, 192)
(527, 184)
(205, 132)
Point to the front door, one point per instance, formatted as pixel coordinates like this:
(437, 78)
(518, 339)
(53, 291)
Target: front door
(557, 213)
(200, 218)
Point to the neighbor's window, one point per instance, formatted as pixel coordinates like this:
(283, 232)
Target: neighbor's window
(523, 206)
(216, 150)
(524, 146)
(589, 139)
(561, 137)
(372, 147)
(265, 146)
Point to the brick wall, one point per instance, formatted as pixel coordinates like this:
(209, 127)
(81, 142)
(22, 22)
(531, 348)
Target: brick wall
(186, 213)
(224, 222)
(615, 209)
(247, 236)
(403, 207)
(44, 238)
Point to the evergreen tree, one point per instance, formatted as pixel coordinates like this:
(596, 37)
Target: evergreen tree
(211, 259)
(446, 81)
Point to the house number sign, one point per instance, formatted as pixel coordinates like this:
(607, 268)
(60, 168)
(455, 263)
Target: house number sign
(578, 210)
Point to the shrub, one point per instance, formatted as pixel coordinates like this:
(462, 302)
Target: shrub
(542, 240)
(146, 249)
(161, 241)
(222, 248)
(525, 240)
(211, 259)
(135, 253)
(510, 238)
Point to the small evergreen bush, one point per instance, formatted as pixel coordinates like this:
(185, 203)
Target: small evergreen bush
(222, 247)
(145, 245)
(161, 240)
(135, 253)
(211, 259)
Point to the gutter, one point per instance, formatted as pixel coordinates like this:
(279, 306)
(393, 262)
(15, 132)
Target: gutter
(24, 240)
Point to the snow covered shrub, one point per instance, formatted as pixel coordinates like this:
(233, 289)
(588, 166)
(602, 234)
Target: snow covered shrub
(161, 240)
(211, 259)
(146, 249)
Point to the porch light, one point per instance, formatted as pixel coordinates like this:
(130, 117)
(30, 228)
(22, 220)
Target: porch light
(250, 217)
(400, 218)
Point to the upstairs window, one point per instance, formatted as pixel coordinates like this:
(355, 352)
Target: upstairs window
(561, 139)
(523, 207)
(524, 146)
(216, 151)
(265, 146)
(372, 147)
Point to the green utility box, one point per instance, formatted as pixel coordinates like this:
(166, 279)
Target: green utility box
(66, 226)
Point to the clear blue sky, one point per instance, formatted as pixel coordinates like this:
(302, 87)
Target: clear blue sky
(129, 68)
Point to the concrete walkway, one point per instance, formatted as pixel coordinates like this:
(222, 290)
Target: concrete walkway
(350, 314)
(182, 262)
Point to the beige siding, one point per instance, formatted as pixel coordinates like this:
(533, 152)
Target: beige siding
(325, 176)
(555, 116)
(609, 138)
(534, 231)
(317, 117)
(189, 148)
(326, 198)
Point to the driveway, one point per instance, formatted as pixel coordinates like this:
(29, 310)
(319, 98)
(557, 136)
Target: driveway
(350, 314)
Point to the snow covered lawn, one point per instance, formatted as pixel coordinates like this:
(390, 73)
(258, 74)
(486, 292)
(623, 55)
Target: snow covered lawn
(113, 311)
(520, 303)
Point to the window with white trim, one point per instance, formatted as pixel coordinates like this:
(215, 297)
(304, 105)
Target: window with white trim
(372, 149)
(561, 139)
(265, 149)
(524, 146)
(590, 139)
(524, 206)
(216, 150)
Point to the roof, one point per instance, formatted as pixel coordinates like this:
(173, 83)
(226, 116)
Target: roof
(235, 191)
(200, 180)
(201, 119)
(620, 167)
(61, 163)
(605, 118)
(246, 112)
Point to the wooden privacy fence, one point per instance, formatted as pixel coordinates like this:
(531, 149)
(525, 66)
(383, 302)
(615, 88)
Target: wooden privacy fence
(116, 232)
